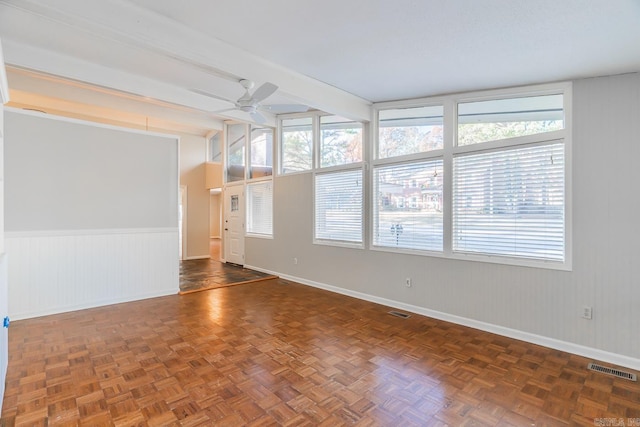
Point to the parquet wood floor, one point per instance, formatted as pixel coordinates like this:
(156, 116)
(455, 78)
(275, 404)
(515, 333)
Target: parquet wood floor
(280, 353)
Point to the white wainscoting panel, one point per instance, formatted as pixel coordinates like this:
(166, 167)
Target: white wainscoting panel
(4, 333)
(58, 271)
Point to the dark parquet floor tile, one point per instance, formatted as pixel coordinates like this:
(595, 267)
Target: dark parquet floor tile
(204, 274)
(281, 353)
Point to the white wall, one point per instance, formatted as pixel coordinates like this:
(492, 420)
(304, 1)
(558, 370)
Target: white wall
(55, 272)
(538, 305)
(193, 154)
(91, 214)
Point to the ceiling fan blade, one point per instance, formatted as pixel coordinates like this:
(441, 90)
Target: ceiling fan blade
(211, 95)
(285, 108)
(258, 118)
(263, 92)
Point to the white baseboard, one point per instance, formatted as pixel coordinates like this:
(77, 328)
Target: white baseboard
(92, 304)
(589, 352)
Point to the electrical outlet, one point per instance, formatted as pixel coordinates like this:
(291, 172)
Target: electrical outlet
(587, 312)
(295, 261)
(407, 282)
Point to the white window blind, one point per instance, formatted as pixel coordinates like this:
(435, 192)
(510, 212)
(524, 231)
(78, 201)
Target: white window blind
(510, 202)
(408, 205)
(260, 208)
(338, 206)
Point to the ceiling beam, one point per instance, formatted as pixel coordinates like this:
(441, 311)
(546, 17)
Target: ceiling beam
(132, 25)
(45, 61)
(94, 113)
(26, 83)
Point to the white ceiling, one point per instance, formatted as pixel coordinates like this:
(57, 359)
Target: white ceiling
(147, 56)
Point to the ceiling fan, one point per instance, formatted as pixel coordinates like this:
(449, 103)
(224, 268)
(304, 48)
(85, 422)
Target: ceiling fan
(251, 103)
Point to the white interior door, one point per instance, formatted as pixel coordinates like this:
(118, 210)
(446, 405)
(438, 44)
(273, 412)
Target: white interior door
(234, 224)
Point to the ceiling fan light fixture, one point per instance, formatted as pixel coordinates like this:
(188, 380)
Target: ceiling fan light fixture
(248, 108)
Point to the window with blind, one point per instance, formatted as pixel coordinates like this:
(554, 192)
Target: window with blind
(480, 176)
(338, 206)
(508, 195)
(408, 179)
(260, 208)
(510, 202)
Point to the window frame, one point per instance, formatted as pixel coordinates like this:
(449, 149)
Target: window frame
(248, 184)
(280, 140)
(406, 159)
(337, 242)
(246, 178)
(316, 169)
(451, 149)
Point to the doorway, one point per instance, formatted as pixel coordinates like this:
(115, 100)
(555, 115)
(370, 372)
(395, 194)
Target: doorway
(234, 224)
(215, 225)
(182, 223)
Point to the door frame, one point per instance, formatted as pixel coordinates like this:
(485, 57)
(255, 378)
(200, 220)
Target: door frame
(182, 222)
(226, 244)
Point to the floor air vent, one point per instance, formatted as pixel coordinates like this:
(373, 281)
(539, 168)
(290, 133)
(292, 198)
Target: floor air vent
(398, 314)
(615, 372)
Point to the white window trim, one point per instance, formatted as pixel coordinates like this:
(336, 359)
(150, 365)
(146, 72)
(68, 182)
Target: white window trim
(449, 150)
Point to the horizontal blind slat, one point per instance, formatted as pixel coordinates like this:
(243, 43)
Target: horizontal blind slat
(510, 202)
(338, 206)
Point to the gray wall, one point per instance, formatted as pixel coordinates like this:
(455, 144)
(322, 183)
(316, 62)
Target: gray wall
(72, 175)
(537, 302)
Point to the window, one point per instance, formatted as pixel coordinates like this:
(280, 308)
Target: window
(297, 145)
(508, 118)
(331, 148)
(482, 176)
(408, 206)
(403, 131)
(253, 146)
(236, 152)
(261, 159)
(260, 208)
(509, 200)
(338, 206)
(215, 148)
(340, 141)
(408, 179)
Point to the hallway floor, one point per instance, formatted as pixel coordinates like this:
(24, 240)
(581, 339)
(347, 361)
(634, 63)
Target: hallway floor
(204, 274)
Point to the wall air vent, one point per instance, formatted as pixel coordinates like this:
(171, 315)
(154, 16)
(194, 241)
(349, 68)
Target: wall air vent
(398, 314)
(610, 371)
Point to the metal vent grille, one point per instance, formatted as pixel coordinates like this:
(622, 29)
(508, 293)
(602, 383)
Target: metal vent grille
(399, 314)
(610, 371)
